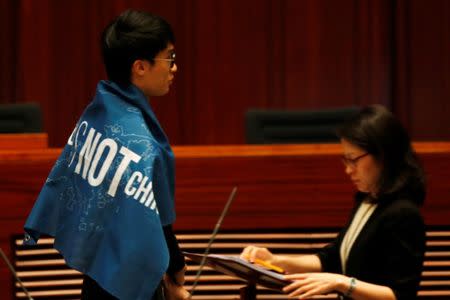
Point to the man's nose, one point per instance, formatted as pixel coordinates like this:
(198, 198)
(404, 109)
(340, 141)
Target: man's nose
(174, 68)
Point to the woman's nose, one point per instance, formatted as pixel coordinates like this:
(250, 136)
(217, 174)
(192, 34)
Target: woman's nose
(348, 170)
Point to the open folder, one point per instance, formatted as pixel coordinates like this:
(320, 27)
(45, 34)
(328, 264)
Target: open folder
(236, 267)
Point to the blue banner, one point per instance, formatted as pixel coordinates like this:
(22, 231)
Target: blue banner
(109, 194)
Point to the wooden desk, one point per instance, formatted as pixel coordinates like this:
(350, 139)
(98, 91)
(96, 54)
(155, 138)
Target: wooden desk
(15, 141)
(289, 186)
(279, 186)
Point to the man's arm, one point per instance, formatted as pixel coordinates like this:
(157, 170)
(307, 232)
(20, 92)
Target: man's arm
(177, 264)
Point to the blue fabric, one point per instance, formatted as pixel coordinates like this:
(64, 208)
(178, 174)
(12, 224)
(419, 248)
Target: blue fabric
(109, 194)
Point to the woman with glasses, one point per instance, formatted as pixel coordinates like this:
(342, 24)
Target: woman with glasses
(380, 251)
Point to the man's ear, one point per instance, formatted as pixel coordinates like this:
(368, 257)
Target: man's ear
(139, 67)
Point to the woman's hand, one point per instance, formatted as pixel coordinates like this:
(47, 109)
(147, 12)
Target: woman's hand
(309, 284)
(250, 253)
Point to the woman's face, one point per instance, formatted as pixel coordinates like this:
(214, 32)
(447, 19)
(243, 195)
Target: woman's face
(362, 168)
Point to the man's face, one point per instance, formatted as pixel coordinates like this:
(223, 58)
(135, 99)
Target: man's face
(154, 79)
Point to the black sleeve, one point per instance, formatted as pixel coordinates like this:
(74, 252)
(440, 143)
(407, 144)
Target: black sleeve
(329, 256)
(404, 233)
(176, 257)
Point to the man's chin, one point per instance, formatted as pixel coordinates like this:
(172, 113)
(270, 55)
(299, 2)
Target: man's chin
(160, 93)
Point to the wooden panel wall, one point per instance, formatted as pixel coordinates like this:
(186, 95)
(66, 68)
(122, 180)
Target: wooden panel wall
(238, 54)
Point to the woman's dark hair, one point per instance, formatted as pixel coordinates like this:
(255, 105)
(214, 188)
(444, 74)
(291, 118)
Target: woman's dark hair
(133, 35)
(376, 130)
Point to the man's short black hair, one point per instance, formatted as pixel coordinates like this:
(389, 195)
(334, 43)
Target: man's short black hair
(133, 35)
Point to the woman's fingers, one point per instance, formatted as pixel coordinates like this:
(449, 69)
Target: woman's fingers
(296, 285)
(309, 284)
(250, 253)
(304, 289)
(297, 276)
(312, 292)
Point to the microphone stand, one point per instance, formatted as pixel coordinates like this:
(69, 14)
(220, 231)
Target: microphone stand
(213, 236)
(11, 268)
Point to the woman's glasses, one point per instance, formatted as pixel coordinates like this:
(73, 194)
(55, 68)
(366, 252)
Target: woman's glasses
(351, 162)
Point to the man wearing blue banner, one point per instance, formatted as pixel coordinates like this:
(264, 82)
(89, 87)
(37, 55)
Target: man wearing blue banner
(109, 199)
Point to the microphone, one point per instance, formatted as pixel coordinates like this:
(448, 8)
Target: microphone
(11, 268)
(211, 239)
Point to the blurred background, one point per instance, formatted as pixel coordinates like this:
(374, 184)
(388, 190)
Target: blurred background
(233, 55)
